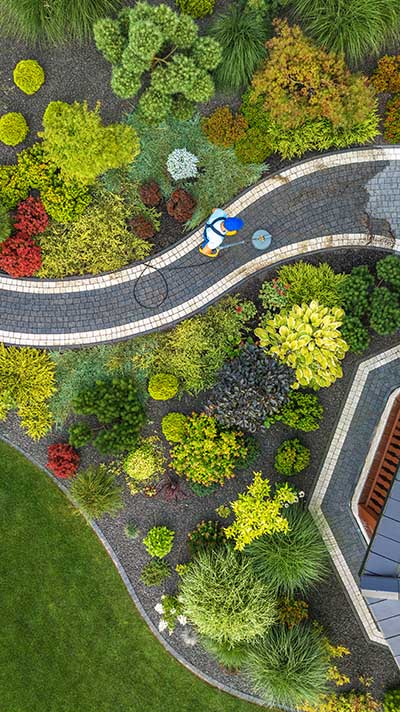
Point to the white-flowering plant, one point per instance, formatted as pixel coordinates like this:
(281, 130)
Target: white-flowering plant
(182, 164)
(171, 610)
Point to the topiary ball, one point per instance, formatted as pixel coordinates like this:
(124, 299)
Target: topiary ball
(28, 75)
(173, 426)
(163, 386)
(13, 128)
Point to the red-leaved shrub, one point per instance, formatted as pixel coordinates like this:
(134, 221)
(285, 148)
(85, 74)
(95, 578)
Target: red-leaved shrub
(20, 256)
(63, 460)
(181, 205)
(142, 227)
(150, 193)
(31, 217)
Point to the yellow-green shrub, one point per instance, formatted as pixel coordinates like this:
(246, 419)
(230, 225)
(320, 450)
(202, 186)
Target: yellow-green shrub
(257, 513)
(144, 463)
(163, 386)
(308, 339)
(28, 75)
(98, 241)
(13, 128)
(26, 383)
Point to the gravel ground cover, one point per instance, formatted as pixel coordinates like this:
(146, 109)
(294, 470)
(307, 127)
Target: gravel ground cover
(329, 603)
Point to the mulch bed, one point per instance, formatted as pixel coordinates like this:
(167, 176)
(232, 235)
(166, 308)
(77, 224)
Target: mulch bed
(329, 603)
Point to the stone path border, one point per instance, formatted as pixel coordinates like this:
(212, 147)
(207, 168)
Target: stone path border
(327, 472)
(49, 321)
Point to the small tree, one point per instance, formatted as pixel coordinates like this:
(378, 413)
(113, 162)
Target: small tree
(75, 139)
(157, 39)
(257, 513)
(300, 82)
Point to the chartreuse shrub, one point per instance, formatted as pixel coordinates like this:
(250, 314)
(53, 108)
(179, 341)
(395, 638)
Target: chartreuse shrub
(155, 572)
(26, 383)
(13, 128)
(196, 349)
(289, 666)
(173, 426)
(96, 492)
(223, 598)
(63, 201)
(97, 241)
(196, 8)
(206, 452)
(304, 98)
(75, 139)
(303, 411)
(158, 40)
(159, 541)
(291, 457)
(53, 22)
(307, 338)
(163, 386)
(241, 33)
(28, 75)
(355, 28)
(391, 702)
(116, 405)
(291, 558)
(306, 282)
(257, 513)
(144, 463)
(349, 702)
(250, 388)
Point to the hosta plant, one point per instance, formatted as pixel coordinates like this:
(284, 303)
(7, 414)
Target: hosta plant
(223, 598)
(250, 387)
(291, 457)
(207, 453)
(155, 39)
(307, 338)
(258, 513)
(159, 541)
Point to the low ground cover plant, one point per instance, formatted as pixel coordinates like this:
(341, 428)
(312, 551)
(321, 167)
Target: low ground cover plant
(28, 75)
(292, 559)
(159, 41)
(291, 457)
(223, 598)
(96, 492)
(155, 572)
(158, 541)
(63, 460)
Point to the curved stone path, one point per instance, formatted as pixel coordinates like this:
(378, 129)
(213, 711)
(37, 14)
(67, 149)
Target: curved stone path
(345, 199)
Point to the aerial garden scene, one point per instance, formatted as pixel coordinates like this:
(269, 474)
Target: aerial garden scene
(200, 355)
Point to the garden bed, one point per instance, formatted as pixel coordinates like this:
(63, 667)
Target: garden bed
(328, 603)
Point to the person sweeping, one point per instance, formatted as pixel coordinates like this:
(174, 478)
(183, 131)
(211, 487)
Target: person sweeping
(216, 228)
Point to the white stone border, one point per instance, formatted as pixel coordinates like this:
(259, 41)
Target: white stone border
(42, 286)
(198, 301)
(323, 482)
(369, 460)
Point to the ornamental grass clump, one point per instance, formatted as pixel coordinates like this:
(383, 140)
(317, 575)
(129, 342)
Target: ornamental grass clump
(157, 40)
(289, 666)
(223, 598)
(96, 492)
(292, 559)
(257, 513)
(307, 338)
(207, 453)
(159, 541)
(250, 388)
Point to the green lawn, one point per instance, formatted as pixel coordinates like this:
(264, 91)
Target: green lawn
(71, 639)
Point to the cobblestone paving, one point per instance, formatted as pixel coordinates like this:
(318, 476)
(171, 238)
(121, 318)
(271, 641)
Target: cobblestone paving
(351, 200)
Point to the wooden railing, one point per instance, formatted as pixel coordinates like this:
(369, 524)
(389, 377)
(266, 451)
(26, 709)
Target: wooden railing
(382, 472)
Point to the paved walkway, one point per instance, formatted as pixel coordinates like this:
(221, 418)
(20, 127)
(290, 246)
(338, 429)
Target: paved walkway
(345, 199)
